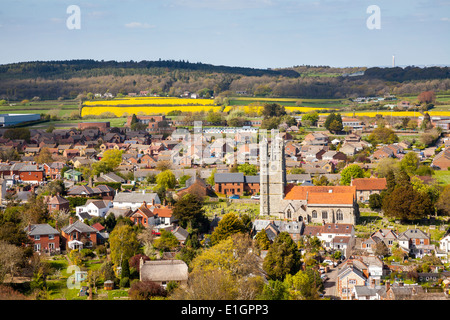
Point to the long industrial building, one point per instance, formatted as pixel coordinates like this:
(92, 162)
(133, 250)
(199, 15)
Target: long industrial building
(10, 119)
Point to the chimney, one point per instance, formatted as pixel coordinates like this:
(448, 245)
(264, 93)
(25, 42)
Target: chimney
(70, 221)
(388, 285)
(153, 201)
(29, 227)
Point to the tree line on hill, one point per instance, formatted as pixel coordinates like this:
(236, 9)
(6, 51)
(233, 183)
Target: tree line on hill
(68, 79)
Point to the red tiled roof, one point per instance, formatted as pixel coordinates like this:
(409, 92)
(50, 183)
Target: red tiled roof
(369, 183)
(98, 226)
(163, 212)
(322, 194)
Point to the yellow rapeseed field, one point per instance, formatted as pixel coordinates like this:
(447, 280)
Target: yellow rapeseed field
(249, 109)
(151, 101)
(143, 110)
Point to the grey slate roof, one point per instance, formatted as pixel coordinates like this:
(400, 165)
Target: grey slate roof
(41, 229)
(137, 197)
(79, 226)
(236, 177)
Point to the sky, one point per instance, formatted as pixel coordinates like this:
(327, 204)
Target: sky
(245, 33)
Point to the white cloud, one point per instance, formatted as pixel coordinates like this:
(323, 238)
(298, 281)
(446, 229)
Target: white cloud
(138, 25)
(445, 19)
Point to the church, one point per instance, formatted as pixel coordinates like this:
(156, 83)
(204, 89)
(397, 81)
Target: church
(311, 204)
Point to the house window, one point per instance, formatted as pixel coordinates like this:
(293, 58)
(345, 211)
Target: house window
(289, 214)
(324, 215)
(51, 246)
(37, 237)
(352, 281)
(339, 215)
(51, 236)
(314, 214)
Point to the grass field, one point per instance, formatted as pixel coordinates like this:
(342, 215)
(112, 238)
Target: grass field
(442, 176)
(59, 108)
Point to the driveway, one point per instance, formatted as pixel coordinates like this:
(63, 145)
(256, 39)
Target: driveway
(330, 283)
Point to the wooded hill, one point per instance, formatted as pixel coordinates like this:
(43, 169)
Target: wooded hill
(68, 79)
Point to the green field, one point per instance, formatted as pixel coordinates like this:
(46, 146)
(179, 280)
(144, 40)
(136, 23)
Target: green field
(442, 176)
(53, 107)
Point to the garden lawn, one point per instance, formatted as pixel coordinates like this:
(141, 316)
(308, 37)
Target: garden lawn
(442, 176)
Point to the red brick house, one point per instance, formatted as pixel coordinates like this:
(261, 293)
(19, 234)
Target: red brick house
(31, 173)
(236, 183)
(78, 235)
(53, 170)
(45, 238)
(57, 203)
(102, 126)
(151, 215)
(142, 215)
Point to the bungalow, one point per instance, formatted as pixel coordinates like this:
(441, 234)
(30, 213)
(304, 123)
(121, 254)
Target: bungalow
(109, 177)
(134, 200)
(104, 191)
(164, 271)
(181, 234)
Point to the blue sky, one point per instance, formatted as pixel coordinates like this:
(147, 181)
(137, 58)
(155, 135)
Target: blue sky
(249, 33)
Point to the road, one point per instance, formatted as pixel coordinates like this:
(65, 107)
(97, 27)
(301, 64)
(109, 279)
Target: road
(330, 283)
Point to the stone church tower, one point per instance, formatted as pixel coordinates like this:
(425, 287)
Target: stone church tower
(272, 173)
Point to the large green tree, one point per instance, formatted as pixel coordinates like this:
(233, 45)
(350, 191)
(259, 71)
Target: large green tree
(228, 225)
(189, 211)
(383, 135)
(405, 203)
(351, 172)
(283, 258)
(166, 180)
(109, 162)
(304, 285)
(123, 243)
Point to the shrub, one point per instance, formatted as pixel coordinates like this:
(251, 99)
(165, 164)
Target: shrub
(145, 290)
(125, 282)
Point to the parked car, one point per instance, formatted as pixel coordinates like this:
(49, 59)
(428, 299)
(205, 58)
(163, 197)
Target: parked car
(234, 196)
(256, 197)
(324, 277)
(328, 262)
